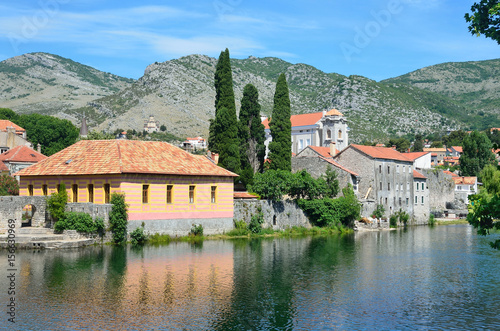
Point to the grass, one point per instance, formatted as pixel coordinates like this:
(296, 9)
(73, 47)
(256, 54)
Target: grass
(458, 221)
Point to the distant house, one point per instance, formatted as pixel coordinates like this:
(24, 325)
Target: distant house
(151, 125)
(451, 160)
(4, 170)
(421, 194)
(421, 160)
(386, 177)
(455, 151)
(326, 152)
(20, 157)
(165, 187)
(122, 135)
(465, 186)
(315, 129)
(194, 143)
(438, 154)
(11, 135)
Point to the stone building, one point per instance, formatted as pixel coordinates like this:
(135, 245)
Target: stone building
(315, 129)
(11, 135)
(421, 160)
(151, 125)
(20, 157)
(165, 187)
(421, 207)
(386, 177)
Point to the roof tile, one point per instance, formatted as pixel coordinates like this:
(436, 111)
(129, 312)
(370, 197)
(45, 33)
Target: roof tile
(22, 154)
(381, 153)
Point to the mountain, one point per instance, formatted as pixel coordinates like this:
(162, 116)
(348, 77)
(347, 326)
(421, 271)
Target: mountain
(180, 94)
(475, 86)
(50, 84)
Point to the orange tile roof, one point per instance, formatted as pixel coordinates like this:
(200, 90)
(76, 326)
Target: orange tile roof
(435, 149)
(6, 123)
(323, 151)
(334, 112)
(458, 148)
(415, 155)
(244, 195)
(3, 167)
(22, 154)
(300, 120)
(339, 166)
(381, 152)
(91, 157)
(464, 180)
(450, 173)
(417, 174)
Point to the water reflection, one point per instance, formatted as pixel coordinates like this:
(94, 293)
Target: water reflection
(440, 278)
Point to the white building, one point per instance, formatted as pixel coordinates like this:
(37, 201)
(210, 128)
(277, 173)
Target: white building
(315, 129)
(421, 160)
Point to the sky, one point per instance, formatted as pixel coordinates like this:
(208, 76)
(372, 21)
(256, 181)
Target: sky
(377, 39)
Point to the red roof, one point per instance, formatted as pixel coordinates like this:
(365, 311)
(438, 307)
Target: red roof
(91, 157)
(381, 152)
(458, 148)
(339, 166)
(450, 173)
(323, 151)
(415, 155)
(465, 180)
(243, 195)
(6, 123)
(417, 174)
(3, 167)
(22, 154)
(300, 120)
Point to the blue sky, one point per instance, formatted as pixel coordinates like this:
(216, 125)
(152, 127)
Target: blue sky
(377, 39)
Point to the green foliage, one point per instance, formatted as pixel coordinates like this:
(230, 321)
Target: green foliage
(484, 213)
(485, 19)
(56, 203)
(196, 230)
(328, 212)
(403, 217)
(490, 177)
(432, 220)
(159, 239)
(280, 148)
(272, 184)
(393, 221)
(251, 131)
(256, 221)
(163, 128)
(332, 182)
(418, 145)
(476, 154)
(8, 114)
(455, 138)
(80, 222)
(8, 185)
(118, 218)
(226, 126)
(402, 144)
(303, 186)
(379, 211)
(138, 237)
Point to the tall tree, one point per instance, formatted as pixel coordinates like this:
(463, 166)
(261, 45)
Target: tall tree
(476, 154)
(224, 97)
(229, 153)
(485, 19)
(251, 134)
(280, 148)
(418, 145)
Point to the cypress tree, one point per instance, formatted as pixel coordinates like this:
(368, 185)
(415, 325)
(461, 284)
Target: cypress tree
(229, 153)
(251, 134)
(280, 148)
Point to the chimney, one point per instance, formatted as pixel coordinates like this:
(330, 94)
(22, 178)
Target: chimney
(394, 147)
(39, 148)
(333, 150)
(324, 113)
(215, 157)
(408, 151)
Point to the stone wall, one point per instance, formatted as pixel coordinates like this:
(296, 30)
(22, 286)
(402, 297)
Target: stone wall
(279, 215)
(11, 207)
(182, 227)
(441, 188)
(94, 210)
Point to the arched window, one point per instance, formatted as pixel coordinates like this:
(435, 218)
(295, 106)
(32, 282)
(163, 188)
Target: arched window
(340, 134)
(328, 134)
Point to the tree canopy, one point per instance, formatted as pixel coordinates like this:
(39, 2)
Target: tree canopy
(280, 148)
(418, 145)
(485, 19)
(476, 154)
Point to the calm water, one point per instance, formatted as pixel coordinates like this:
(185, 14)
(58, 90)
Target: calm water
(440, 278)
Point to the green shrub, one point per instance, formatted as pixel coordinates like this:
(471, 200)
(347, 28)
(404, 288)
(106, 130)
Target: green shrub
(196, 230)
(403, 217)
(379, 211)
(432, 220)
(56, 203)
(393, 221)
(138, 237)
(157, 239)
(8, 185)
(80, 222)
(256, 222)
(240, 225)
(118, 218)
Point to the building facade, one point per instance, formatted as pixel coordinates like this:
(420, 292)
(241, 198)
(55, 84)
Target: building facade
(315, 129)
(165, 187)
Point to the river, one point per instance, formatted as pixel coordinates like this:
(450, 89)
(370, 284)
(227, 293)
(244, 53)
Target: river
(439, 278)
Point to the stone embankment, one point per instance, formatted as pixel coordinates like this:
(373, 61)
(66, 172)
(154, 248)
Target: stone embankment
(44, 238)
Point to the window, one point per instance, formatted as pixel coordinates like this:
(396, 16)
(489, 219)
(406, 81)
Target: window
(381, 186)
(422, 199)
(308, 142)
(30, 190)
(404, 169)
(417, 186)
(340, 134)
(380, 168)
(416, 199)
(169, 193)
(145, 193)
(388, 169)
(459, 187)
(44, 190)
(397, 168)
(385, 200)
(90, 189)
(400, 201)
(409, 169)
(407, 201)
(328, 134)
(301, 144)
(397, 187)
(407, 186)
(388, 186)
(213, 191)
(191, 193)
(74, 189)
(107, 193)
(401, 186)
